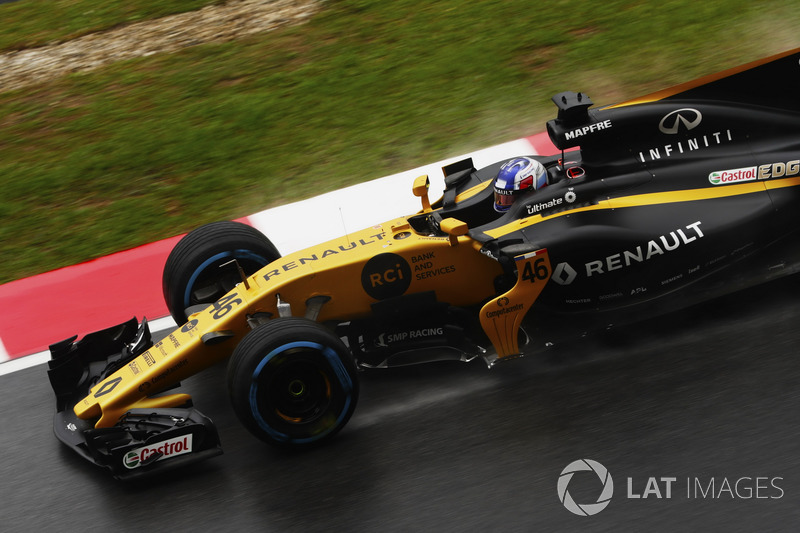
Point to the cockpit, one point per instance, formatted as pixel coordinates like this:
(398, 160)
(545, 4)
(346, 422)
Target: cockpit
(470, 197)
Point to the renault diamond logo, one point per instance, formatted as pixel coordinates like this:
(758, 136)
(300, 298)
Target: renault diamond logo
(671, 123)
(564, 274)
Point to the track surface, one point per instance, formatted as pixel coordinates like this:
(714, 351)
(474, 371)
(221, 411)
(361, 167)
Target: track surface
(711, 392)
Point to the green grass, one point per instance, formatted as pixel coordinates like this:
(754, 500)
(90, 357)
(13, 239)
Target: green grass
(38, 22)
(99, 162)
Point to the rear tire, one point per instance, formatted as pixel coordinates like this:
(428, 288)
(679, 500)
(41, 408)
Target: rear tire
(293, 383)
(192, 274)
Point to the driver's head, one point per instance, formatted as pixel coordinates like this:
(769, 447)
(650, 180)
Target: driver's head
(515, 178)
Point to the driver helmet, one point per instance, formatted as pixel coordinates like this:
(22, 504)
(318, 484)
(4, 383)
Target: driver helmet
(516, 177)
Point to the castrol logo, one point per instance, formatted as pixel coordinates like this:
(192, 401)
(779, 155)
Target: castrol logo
(735, 175)
(167, 449)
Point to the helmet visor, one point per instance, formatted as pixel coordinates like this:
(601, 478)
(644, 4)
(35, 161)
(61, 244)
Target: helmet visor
(504, 201)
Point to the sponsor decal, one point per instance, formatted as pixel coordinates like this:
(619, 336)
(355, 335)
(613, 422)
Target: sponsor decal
(424, 266)
(160, 450)
(569, 197)
(671, 279)
(385, 276)
(655, 247)
(578, 300)
(169, 371)
(535, 208)
(779, 170)
(612, 296)
(290, 265)
(174, 340)
(189, 326)
(134, 366)
(700, 142)
(385, 339)
(433, 272)
(505, 308)
(687, 117)
(160, 346)
(148, 357)
(735, 175)
(586, 130)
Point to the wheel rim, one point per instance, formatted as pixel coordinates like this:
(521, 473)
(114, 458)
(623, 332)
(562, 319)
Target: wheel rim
(300, 392)
(208, 284)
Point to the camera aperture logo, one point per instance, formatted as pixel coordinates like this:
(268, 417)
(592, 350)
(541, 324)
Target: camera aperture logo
(585, 509)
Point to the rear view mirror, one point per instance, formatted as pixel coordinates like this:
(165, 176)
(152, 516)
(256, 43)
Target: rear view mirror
(420, 190)
(455, 228)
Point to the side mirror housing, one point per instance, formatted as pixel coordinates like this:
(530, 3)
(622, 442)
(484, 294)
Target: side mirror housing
(420, 189)
(454, 228)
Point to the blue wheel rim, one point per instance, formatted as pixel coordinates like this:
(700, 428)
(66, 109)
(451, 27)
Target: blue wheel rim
(235, 254)
(335, 362)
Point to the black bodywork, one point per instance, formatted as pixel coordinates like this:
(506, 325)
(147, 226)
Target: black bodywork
(647, 218)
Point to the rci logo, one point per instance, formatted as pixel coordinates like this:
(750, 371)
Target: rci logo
(386, 276)
(587, 509)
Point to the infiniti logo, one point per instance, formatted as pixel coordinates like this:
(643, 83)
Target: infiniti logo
(671, 123)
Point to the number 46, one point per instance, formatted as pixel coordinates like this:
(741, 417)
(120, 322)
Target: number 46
(536, 271)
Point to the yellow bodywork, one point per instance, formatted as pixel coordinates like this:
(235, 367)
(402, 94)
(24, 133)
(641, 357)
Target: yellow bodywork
(502, 316)
(352, 272)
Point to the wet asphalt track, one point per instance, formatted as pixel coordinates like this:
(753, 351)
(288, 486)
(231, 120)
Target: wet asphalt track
(714, 393)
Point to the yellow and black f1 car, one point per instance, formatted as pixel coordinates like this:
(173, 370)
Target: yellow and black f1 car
(672, 198)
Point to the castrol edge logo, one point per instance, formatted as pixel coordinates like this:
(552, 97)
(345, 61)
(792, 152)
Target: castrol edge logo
(167, 448)
(761, 172)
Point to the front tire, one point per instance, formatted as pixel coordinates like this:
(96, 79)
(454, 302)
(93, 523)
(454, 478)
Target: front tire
(192, 275)
(293, 383)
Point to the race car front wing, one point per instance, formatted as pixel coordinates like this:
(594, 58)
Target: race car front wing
(143, 441)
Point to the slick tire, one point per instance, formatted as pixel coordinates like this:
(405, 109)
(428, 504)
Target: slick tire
(293, 383)
(194, 275)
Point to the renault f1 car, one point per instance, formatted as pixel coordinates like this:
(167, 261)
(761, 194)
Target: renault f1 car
(652, 204)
